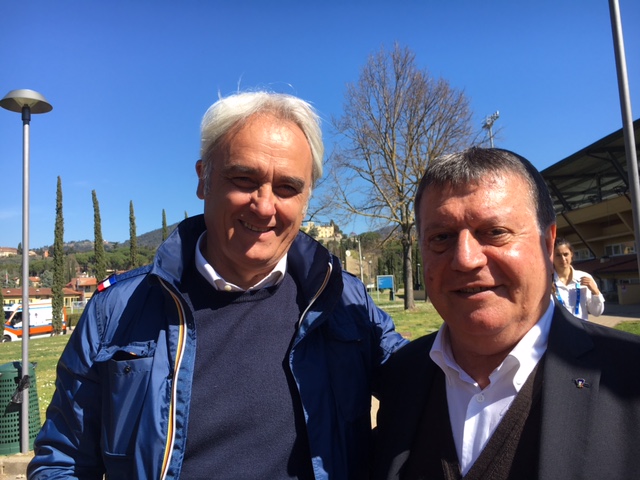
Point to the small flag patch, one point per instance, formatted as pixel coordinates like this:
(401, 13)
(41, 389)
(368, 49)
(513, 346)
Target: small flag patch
(107, 283)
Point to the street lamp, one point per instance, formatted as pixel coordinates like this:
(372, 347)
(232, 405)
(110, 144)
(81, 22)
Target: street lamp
(25, 102)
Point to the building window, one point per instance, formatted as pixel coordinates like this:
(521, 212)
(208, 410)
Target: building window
(624, 248)
(582, 254)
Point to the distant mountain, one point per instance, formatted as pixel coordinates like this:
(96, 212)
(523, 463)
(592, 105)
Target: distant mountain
(153, 238)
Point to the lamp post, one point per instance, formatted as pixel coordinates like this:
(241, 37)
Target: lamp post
(25, 102)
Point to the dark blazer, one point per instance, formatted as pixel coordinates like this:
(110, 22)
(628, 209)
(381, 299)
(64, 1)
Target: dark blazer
(591, 432)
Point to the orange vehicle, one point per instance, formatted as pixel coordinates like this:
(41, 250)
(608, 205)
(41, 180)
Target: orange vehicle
(40, 321)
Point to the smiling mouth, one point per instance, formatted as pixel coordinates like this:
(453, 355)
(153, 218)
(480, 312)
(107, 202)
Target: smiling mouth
(253, 228)
(474, 290)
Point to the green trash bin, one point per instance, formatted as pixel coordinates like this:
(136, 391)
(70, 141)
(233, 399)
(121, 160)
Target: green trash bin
(10, 411)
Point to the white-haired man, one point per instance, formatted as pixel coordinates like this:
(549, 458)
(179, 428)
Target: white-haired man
(244, 351)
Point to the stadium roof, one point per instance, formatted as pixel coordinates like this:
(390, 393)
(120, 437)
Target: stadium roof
(591, 175)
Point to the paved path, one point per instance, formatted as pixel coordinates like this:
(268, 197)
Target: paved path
(614, 314)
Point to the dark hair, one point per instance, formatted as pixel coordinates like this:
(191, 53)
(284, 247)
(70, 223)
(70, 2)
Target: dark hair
(560, 242)
(475, 164)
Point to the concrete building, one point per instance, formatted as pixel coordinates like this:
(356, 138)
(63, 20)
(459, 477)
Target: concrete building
(590, 190)
(14, 295)
(8, 252)
(324, 230)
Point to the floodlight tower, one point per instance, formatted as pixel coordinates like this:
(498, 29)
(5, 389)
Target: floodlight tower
(488, 124)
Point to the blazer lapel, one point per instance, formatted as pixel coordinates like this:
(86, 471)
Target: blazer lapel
(407, 379)
(570, 389)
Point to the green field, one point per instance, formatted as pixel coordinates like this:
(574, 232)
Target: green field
(46, 351)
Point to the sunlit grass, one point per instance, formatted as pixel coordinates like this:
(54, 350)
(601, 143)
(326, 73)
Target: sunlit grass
(411, 324)
(44, 352)
(631, 327)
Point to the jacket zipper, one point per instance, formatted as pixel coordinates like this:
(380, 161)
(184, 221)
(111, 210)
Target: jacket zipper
(315, 297)
(171, 425)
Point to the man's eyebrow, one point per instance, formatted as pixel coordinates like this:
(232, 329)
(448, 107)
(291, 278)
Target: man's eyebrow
(296, 182)
(238, 169)
(438, 225)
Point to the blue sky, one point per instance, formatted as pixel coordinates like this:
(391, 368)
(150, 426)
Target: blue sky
(130, 80)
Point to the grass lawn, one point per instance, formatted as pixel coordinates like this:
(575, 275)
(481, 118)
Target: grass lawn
(44, 352)
(411, 324)
(631, 327)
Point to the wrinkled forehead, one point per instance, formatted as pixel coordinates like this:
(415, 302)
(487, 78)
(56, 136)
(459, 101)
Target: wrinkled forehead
(491, 187)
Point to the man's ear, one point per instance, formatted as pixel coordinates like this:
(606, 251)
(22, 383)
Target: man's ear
(550, 240)
(200, 172)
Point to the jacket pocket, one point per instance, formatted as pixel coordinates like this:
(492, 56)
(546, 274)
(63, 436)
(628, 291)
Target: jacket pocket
(350, 376)
(127, 388)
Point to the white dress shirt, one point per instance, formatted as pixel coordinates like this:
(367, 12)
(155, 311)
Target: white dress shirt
(475, 412)
(209, 273)
(576, 298)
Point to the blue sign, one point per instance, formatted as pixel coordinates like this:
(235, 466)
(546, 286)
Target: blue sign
(385, 281)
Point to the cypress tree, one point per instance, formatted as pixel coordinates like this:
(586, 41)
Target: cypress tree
(57, 302)
(133, 240)
(186, 215)
(165, 232)
(100, 266)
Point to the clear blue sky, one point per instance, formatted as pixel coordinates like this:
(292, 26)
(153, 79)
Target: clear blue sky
(129, 81)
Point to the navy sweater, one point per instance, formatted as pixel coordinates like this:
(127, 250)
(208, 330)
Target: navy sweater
(245, 420)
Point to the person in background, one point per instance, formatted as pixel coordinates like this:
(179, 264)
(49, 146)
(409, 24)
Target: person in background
(244, 350)
(512, 386)
(575, 290)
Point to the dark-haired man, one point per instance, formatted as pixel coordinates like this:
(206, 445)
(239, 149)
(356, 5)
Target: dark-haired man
(512, 386)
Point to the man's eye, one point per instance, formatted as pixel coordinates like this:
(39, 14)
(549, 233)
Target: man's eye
(243, 182)
(286, 191)
(496, 236)
(440, 241)
(441, 237)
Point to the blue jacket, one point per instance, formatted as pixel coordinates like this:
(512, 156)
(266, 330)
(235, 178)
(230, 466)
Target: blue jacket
(123, 383)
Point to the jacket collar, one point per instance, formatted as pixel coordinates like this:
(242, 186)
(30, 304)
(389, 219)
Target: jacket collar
(308, 260)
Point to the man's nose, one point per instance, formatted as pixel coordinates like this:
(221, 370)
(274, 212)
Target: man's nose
(468, 253)
(263, 201)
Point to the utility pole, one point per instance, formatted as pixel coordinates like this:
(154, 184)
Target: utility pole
(627, 119)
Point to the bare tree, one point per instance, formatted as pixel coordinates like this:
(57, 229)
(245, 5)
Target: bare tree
(396, 118)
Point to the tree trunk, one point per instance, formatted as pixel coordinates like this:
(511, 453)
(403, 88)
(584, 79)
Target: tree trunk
(407, 273)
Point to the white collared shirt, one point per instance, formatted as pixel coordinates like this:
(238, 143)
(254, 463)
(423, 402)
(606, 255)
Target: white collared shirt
(475, 413)
(578, 299)
(209, 273)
